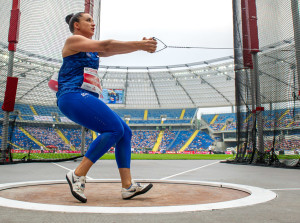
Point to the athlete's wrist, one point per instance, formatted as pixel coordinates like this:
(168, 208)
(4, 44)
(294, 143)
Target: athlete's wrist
(139, 45)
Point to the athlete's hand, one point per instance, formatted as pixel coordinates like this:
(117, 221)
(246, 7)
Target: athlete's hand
(149, 45)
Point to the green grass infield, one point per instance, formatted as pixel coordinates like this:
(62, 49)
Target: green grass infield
(134, 156)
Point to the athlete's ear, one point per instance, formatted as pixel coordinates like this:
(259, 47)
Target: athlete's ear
(76, 26)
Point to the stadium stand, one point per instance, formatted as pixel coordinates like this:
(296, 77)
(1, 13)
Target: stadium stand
(74, 137)
(202, 141)
(133, 113)
(170, 113)
(284, 117)
(174, 121)
(47, 136)
(145, 121)
(172, 140)
(21, 140)
(168, 139)
(53, 114)
(47, 110)
(24, 109)
(143, 139)
(180, 140)
(189, 113)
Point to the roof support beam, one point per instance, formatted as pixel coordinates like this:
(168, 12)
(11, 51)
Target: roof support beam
(17, 75)
(277, 79)
(189, 96)
(278, 59)
(30, 90)
(126, 86)
(209, 84)
(104, 75)
(150, 78)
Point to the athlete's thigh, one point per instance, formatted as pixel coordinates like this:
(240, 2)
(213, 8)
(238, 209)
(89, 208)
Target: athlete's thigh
(124, 124)
(89, 112)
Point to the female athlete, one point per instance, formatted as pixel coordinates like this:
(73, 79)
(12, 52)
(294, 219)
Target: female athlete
(78, 98)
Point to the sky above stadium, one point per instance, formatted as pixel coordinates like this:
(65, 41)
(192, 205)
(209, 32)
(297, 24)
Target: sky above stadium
(201, 23)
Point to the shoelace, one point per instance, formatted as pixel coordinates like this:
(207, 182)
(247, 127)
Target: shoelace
(80, 184)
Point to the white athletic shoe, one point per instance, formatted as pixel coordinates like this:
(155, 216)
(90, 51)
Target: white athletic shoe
(134, 190)
(77, 185)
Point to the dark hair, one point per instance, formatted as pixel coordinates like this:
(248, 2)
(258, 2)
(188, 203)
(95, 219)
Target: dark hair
(71, 19)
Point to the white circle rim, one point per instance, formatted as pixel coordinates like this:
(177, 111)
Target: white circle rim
(257, 196)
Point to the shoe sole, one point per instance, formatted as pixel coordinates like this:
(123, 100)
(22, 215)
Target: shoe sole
(146, 189)
(78, 197)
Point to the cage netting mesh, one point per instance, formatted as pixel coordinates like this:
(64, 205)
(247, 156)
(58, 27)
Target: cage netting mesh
(278, 86)
(38, 131)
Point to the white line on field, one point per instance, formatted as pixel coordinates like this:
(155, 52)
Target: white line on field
(69, 170)
(190, 170)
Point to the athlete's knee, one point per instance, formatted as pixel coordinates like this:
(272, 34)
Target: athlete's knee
(118, 132)
(127, 132)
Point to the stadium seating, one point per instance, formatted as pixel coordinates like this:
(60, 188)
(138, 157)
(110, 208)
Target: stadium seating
(74, 137)
(168, 139)
(173, 121)
(170, 113)
(45, 113)
(226, 122)
(141, 139)
(47, 110)
(24, 109)
(144, 139)
(47, 136)
(133, 113)
(21, 140)
(172, 140)
(145, 121)
(288, 144)
(201, 141)
(207, 118)
(181, 139)
(189, 113)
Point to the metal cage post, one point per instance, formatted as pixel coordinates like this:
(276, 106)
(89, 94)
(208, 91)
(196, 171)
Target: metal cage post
(296, 22)
(13, 38)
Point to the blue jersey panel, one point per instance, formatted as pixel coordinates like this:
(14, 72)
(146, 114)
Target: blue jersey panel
(70, 76)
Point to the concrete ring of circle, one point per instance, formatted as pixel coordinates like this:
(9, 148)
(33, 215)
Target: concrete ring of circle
(257, 196)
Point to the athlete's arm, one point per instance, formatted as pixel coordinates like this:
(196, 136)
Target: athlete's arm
(144, 41)
(78, 43)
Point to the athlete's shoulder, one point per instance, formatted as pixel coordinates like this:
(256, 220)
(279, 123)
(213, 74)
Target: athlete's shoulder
(76, 38)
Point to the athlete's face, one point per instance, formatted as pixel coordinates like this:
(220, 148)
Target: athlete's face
(86, 25)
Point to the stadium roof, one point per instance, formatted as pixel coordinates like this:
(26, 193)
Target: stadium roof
(203, 84)
(208, 83)
(42, 34)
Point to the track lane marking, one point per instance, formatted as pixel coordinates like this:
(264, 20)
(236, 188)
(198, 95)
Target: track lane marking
(70, 169)
(190, 170)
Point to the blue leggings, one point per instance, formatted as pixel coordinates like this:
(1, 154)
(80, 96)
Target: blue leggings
(92, 113)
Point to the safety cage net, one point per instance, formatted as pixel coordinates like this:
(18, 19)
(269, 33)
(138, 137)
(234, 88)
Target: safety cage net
(34, 129)
(267, 81)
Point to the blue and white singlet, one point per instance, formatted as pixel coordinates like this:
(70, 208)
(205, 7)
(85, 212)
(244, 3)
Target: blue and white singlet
(71, 74)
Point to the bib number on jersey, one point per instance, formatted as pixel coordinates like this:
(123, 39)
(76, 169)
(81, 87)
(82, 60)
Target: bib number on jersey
(91, 81)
